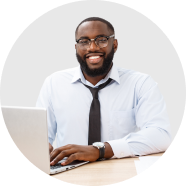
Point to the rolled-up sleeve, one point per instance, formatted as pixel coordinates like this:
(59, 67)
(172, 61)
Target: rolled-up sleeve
(151, 117)
(44, 101)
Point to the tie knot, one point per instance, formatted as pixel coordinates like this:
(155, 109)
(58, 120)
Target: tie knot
(94, 91)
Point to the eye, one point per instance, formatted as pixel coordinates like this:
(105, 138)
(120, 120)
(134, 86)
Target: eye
(102, 39)
(83, 41)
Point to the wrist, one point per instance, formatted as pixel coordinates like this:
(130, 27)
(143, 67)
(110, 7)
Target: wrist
(101, 148)
(108, 151)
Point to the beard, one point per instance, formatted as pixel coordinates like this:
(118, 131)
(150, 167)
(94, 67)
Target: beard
(107, 61)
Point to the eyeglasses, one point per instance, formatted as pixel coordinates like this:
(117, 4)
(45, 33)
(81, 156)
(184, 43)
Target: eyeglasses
(100, 41)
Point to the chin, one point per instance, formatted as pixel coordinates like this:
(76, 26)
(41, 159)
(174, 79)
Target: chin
(94, 67)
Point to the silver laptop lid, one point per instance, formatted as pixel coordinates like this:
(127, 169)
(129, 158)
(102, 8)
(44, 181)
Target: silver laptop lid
(28, 129)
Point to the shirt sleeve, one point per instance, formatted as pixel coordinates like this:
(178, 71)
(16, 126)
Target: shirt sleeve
(44, 101)
(152, 120)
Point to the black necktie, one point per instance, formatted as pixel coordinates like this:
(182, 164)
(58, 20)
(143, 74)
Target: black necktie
(94, 134)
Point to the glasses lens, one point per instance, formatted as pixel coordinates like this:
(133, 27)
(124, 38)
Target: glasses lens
(83, 43)
(102, 42)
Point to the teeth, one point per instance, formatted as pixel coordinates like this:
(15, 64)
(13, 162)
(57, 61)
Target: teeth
(94, 57)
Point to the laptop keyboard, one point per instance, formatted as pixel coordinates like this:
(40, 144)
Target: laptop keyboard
(56, 166)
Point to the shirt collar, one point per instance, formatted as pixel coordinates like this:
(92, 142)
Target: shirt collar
(113, 74)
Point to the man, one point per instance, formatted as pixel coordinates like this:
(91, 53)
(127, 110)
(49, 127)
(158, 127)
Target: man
(127, 113)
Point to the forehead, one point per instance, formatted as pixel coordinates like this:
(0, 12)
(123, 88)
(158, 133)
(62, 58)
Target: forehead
(92, 29)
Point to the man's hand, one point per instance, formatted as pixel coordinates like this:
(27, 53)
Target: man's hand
(74, 152)
(50, 148)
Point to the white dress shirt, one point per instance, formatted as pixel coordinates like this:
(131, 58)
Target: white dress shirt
(134, 119)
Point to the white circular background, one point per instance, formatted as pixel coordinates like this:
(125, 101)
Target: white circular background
(47, 45)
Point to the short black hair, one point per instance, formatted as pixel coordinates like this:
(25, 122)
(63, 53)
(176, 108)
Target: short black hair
(109, 25)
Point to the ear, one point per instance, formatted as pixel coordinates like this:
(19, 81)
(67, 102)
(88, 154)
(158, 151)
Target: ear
(115, 43)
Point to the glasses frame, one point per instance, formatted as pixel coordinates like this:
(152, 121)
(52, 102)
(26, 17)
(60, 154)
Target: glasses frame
(90, 40)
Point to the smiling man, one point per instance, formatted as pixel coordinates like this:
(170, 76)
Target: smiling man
(99, 111)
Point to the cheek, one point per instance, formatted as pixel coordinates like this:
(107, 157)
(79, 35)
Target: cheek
(80, 52)
(107, 52)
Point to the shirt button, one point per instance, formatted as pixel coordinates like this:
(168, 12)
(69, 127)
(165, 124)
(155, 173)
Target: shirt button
(122, 154)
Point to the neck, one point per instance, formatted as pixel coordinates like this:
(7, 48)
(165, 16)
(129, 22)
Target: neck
(95, 80)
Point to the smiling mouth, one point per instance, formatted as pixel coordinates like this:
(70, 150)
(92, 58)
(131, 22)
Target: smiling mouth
(94, 59)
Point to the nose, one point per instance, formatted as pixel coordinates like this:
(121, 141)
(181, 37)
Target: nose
(93, 46)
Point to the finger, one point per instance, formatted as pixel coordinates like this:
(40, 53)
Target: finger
(51, 153)
(61, 155)
(54, 153)
(59, 150)
(71, 158)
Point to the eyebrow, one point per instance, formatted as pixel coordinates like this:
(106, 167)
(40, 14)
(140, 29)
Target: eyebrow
(85, 37)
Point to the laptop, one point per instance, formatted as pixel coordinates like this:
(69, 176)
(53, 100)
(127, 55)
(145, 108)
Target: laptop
(28, 129)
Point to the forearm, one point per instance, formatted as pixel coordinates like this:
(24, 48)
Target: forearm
(147, 141)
